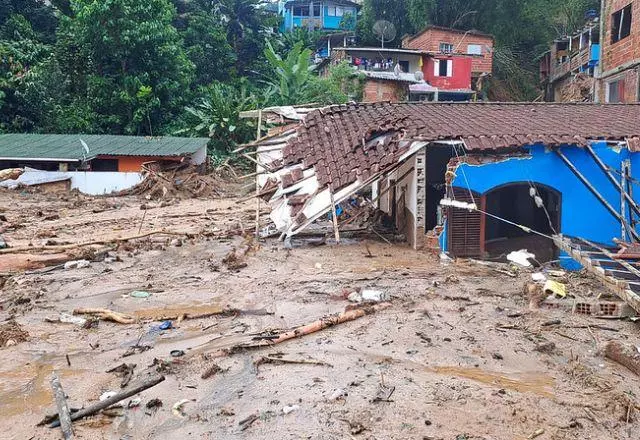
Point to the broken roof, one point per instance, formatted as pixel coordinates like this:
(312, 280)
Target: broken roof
(335, 140)
(69, 148)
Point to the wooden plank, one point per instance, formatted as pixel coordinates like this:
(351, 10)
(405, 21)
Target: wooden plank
(618, 287)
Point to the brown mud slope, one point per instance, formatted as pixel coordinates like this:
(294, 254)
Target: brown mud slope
(457, 355)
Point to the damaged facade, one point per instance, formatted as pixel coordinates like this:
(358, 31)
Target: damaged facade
(544, 168)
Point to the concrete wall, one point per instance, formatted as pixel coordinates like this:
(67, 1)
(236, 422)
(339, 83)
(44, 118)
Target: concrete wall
(582, 215)
(88, 182)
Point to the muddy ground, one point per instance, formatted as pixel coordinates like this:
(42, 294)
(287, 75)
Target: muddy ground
(459, 347)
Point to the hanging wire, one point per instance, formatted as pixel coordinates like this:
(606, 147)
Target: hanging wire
(537, 192)
(464, 175)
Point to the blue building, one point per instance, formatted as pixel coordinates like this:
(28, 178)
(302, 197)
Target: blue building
(327, 15)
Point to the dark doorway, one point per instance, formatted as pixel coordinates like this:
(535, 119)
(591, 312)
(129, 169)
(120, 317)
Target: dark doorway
(515, 203)
(436, 161)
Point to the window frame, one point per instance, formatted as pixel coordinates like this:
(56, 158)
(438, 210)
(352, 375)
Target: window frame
(478, 52)
(446, 45)
(621, 23)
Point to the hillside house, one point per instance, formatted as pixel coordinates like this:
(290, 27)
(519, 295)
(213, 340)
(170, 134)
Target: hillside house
(325, 15)
(459, 59)
(569, 68)
(619, 78)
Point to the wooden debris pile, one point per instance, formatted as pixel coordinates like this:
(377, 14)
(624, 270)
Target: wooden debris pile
(179, 181)
(578, 89)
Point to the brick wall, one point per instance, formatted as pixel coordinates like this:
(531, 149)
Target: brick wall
(430, 40)
(627, 49)
(631, 79)
(382, 90)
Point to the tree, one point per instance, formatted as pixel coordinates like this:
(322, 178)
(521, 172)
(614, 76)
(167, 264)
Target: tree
(217, 115)
(137, 74)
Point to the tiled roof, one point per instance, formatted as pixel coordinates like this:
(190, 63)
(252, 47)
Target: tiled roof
(334, 140)
(68, 147)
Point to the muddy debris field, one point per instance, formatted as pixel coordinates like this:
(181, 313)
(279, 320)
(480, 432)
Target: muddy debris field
(171, 321)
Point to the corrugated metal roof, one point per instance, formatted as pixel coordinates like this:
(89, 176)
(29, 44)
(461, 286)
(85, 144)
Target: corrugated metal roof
(69, 147)
(334, 140)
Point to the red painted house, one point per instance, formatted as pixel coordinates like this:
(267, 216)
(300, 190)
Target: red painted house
(456, 61)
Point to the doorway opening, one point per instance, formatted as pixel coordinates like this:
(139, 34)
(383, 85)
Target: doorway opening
(515, 203)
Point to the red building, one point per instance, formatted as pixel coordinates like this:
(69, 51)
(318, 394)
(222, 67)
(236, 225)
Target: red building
(454, 45)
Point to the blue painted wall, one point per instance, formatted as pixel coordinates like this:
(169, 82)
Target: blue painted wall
(328, 22)
(582, 214)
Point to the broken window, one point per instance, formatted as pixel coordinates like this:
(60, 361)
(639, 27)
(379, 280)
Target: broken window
(621, 24)
(446, 47)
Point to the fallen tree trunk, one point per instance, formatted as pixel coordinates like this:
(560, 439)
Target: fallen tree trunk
(18, 263)
(93, 409)
(64, 416)
(625, 354)
(320, 324)
(107, 315)
(62, 247)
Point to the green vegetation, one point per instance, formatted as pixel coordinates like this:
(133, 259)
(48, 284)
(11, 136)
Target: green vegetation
(163, 67)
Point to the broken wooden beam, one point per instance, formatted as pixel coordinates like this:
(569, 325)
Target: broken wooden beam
(64, 416)
(624, 354)
(93, 409)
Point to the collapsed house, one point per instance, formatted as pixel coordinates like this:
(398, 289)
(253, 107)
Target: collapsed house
(519, 173)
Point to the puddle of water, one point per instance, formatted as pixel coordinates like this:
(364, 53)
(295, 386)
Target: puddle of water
(530, 382)
(26, 389)
(175, 311)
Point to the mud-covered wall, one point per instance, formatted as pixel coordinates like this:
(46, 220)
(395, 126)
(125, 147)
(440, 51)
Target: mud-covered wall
(582, 214)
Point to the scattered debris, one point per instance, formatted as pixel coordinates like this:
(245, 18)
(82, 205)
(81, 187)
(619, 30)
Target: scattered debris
(278, 360)
(65, 318)
(269, 338)
(154, 404)
(125, 371)
(178, 408)
(106, 315)
(521, 257)
(212, 370)
(93, 409)
(338, 394)
(77, 264)
(247, 422)
(139, 294)
(176, 353)
(290, 408)
(552, 287)
(11, 333)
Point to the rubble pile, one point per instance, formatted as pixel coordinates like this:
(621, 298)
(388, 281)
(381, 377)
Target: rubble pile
(177, 181)
(579, 89)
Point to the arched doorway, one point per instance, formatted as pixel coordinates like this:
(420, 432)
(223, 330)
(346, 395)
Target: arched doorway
(515, 202)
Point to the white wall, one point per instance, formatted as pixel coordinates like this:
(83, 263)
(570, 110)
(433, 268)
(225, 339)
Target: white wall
(88, 182)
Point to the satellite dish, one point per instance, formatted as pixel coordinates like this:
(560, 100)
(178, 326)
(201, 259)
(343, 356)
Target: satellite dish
(419, 75)
(384, 31)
